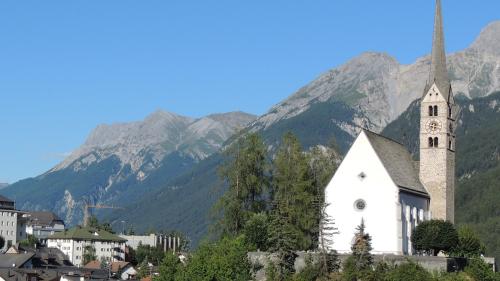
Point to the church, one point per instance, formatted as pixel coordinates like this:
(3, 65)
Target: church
(379, 183)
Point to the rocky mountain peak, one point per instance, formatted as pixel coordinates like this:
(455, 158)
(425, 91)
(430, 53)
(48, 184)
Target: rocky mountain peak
(489, 39)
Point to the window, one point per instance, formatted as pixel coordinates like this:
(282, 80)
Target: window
(431, 142)
(430, 110)
(449, 112)
(436, 142)
(362, 176)
(449, 144)
(360, 204)
(436, 110)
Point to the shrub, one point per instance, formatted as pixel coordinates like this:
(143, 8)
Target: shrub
(409, 272)
(435, 236)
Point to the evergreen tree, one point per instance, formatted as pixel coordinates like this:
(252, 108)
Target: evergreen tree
(256, 232)
(469, 245)
(361, 249)
(283, 241)
(329, 261)
(323, 163)
(294, 193)
(246, 174)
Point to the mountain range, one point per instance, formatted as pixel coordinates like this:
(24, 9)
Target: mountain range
(163, 170)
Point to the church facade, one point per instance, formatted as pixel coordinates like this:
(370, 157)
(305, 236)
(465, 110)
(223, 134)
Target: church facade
(380, 184)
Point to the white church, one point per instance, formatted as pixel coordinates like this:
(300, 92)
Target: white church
(379, 182)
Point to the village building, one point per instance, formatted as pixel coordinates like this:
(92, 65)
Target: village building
(378, 182)
(42, 224)
(76, 242)
(12, 223)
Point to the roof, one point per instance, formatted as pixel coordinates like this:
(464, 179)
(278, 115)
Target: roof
(439, 73)
(118, 266)
(5, 199)
(87, 233)
(43, 218)
(398, 163)
(15, 260)
(93, 265)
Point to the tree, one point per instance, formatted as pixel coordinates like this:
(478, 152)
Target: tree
(469, 245)
(144, 270)
(31, 241)
(89, 254)
(256, 232)
(168, 267)
(361, 249)
(282, 242)
(329, 261)
(323, 163)
(294, 193)
(225, 260)
(150, 254)
(2, 242)
(434, 236)
(245, 172)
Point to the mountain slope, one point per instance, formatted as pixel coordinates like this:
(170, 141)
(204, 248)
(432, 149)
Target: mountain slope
(123, 161)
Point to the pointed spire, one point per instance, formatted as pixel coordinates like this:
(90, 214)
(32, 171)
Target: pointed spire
(438, 72)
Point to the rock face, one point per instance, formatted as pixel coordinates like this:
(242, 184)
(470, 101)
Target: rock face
(120, 162)
(379, 89)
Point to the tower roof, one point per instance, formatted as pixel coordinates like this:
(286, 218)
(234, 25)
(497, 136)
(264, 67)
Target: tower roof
(439, 73)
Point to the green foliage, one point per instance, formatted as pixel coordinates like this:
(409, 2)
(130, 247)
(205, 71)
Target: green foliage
(256, 232)
(435, 236)
(479, 270)
(31, 241)
(144, 270)
(225, 260)
(169, 268)
(147, 253)
(89, 254)
(409, 272)
(469, 245)
(294, 193)
(310, 273)
(361, 249)
(245, 173)
(2, 242)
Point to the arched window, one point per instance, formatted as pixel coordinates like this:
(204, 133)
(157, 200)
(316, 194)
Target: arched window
(430, 110)
(436, 110)
(436, 142)
(431, 142)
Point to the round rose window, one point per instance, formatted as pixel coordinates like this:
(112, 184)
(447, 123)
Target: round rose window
(360, 205)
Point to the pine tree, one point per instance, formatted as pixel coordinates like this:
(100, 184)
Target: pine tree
(294, 193)
(361, 249)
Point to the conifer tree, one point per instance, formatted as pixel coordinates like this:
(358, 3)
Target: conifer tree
(294, 194)
(245, 173)
(361, 249)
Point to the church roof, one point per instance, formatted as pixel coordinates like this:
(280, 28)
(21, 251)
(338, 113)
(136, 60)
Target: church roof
(398, 163)
(438, 72)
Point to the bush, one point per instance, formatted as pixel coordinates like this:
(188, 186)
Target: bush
(409, 272)
(469, 245)
(434, 236)
(480, 271)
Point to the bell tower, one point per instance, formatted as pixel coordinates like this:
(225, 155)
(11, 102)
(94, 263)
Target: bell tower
(437, 130)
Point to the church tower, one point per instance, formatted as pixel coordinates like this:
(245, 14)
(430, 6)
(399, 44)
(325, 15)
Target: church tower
(437, 131)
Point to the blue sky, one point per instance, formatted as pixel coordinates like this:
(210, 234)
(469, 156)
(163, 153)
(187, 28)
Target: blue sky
(67, 66)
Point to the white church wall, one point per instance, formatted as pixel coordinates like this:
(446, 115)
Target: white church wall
(378, 191)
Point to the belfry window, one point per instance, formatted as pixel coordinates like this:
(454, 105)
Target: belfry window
(436, 142)
(430, 110)
(449, 144)
(431, 142)
(436, 113)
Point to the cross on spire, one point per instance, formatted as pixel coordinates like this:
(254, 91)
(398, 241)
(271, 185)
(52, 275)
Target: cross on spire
(438, 72)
